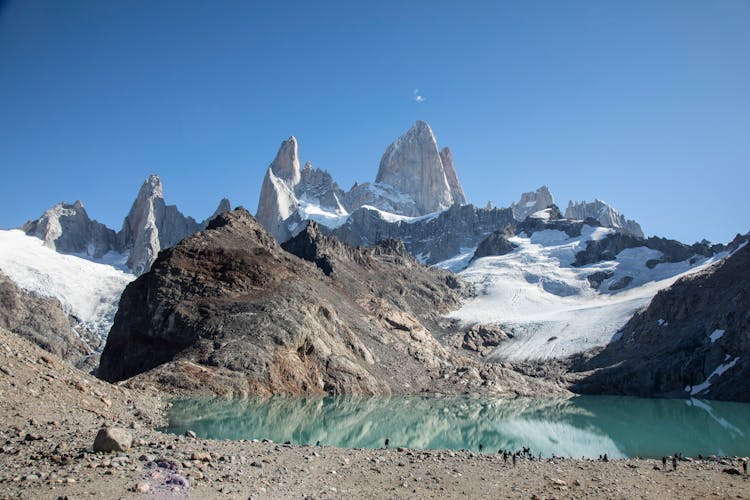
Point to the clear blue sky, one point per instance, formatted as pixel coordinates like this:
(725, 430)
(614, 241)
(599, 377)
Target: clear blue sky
(645, 104)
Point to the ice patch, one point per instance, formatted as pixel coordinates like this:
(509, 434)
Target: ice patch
(719, 371)
(716, 335)
(312, 211)
(391, 217)
(459, 262)
(542, 214)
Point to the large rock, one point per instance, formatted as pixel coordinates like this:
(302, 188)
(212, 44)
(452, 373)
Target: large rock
(112, 439)
(495, 244)
(693, 340)
(68, 229)
(605, 214)
(412, 164)
(414, 179)
(224, 206)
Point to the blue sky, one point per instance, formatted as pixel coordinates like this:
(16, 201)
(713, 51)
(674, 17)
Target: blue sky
(645, 104)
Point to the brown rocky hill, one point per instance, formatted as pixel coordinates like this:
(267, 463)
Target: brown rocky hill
(693, 340)
(43, 321)
(230, 311)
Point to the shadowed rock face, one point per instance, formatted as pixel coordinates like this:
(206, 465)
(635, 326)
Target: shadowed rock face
(668, 350)
(434, 240)
(229, 310)
(495, 244)
(673, 251)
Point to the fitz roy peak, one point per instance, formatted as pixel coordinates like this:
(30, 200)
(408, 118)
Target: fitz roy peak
(415, 178)
(414, 166)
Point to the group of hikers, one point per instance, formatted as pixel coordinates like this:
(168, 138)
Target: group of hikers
(525, 453)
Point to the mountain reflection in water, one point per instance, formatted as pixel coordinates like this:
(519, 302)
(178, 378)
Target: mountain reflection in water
(584, 426)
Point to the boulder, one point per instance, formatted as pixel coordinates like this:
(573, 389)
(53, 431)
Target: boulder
(112, 439)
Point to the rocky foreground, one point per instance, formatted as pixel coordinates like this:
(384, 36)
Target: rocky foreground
(51, 413)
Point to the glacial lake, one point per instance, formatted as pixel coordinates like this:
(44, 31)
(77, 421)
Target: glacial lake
(583, 426)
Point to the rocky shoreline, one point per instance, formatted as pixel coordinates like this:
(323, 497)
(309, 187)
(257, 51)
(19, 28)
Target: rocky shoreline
(51, 412)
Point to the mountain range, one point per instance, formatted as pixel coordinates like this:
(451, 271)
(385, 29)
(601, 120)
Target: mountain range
(335, 286)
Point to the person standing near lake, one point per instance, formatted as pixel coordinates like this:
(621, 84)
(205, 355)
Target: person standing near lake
(674, 463)
(664, 462)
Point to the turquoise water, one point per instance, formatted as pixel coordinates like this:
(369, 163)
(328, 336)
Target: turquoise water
(584, 426)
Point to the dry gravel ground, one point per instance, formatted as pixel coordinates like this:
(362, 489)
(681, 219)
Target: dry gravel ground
(50, 413)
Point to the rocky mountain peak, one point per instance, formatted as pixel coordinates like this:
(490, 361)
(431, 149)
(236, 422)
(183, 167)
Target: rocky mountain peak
(151, 187)
(68, 229)
(532, 202)
(224, 206)
(152, 225)
(286, 164)
(605, 214)
(413, 166)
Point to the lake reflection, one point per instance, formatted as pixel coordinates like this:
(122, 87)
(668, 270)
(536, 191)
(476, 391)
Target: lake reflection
(584, 426)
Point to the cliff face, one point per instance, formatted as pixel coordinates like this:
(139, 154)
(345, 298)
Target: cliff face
(693, 340)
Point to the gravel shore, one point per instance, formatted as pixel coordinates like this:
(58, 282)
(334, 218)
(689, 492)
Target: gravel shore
(51, 412)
